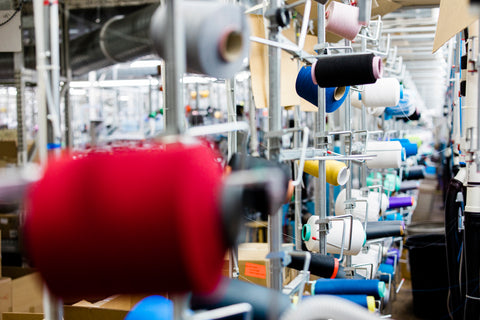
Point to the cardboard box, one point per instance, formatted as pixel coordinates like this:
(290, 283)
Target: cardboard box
(112, 308)
(120, 301)
(92, 313)
(5, 295)
(26, 289)
(72, 313)
(253, 264)
(454, 17)
(22, 316)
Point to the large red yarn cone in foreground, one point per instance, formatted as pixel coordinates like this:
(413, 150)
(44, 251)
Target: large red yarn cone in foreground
(128, 222)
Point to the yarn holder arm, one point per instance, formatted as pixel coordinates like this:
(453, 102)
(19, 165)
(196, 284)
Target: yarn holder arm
(223, 312)
(303, 150)
(341, 218)
(303, 33)
(297, 285)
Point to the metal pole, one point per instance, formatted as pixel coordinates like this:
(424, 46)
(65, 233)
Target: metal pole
(274, 144)
(363, 180)
(67, 70)
(21, 130)
(253, 121)
(347, 144)
(41, 94)
(321, 182)
(175, 59)
(232, 149)
(197, 96)
(52, 305)
(298, 189)
(232, 116)
(55, 56)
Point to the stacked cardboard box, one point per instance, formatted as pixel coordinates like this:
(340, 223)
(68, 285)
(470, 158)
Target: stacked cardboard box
(253, 264)
(112, 308)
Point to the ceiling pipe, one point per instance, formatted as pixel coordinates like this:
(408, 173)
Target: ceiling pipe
(120, 39)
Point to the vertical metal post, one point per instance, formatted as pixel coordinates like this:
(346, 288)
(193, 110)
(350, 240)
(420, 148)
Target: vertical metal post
(55, 57)
(252, 121)
(197, 96)
(232, 115)
(363, 178)
(232, 149)
(298, 189)
(175, 59)
(321, 182)
(347, 144)
(21, 130)
(41, 89)
(67, 71)
(274, 144)
(456, 97)
(52, 306)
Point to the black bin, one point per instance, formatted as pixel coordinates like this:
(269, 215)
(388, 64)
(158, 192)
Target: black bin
(428, 268)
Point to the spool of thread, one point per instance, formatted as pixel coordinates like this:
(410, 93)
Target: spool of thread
(106, 194)
(394, 217)
(405, 107)
(376, 112)
(383, 93)
(334, 97)
(414, 173)
(356, 99)
(392, 253)
(400, 202)
(362, 300)
(320, 265)
(334, 237)
(409, 185)
(413, 117)
(373, 287)
(347, 70)
(369, 257)
(411, 149)
(337, 173)
(390, 260)
(152, 307)
(391, 183)
(384, 229)
(375, 208)
(266, 303)
(384, 271)
(388, 154)
(342, 20)
(217, 37)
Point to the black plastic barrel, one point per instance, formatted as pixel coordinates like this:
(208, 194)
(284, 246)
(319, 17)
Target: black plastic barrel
(427, 258)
